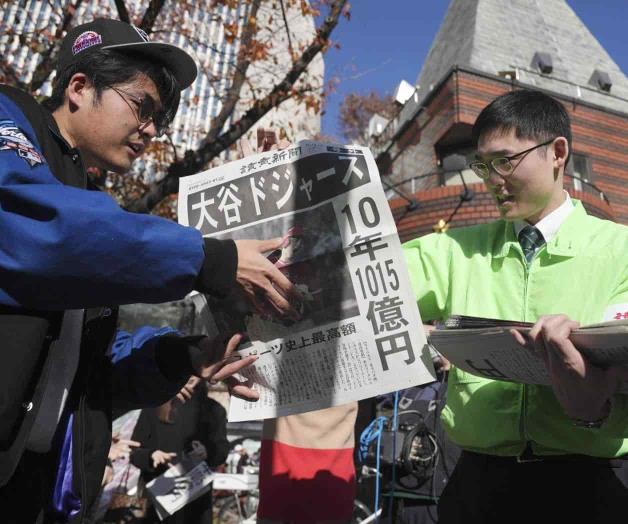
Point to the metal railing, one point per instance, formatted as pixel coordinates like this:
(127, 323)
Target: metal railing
(584, 185)
(587, 187)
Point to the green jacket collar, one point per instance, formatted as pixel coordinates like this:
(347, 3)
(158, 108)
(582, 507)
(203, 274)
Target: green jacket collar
(568, 242)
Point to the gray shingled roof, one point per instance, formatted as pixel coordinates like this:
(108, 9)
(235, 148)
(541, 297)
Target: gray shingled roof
(500, 35)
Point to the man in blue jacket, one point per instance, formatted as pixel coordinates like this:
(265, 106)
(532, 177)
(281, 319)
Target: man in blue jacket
(70, 255)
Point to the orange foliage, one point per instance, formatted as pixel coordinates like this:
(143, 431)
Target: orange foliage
(357, 109)
(257, 50)
(231, 31)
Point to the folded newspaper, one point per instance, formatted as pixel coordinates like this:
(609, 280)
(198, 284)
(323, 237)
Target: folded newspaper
(359, 333)
(485, 347)
(179, 485)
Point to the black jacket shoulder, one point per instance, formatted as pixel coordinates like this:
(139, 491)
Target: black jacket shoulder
(63, 160)
(33, 110)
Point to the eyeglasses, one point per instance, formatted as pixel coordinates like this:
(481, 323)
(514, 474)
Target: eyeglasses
(145, 111)
(502, 165)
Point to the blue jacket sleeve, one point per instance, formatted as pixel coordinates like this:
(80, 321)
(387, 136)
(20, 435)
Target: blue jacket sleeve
(66, 248)
(149, 367)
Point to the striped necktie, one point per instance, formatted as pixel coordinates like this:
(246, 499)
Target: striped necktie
(531, 240)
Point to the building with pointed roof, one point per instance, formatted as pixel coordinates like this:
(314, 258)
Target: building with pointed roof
(485, 48)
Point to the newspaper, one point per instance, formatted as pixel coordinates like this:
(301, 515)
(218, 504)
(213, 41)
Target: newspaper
(486, 348)
(235, 481)
(360, 333)
(179, 485)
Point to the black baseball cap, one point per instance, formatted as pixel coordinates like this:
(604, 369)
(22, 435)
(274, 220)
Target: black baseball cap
(105, 33)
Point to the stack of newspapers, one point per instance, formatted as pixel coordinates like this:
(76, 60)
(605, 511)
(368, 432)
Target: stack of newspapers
(486, 348)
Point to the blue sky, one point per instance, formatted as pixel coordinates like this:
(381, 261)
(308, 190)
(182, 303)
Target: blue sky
(386, 41)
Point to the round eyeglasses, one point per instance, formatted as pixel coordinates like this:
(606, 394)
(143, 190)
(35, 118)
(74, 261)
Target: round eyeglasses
(145, 111)
(502, 165)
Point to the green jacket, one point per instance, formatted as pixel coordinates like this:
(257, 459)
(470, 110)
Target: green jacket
(480, 270)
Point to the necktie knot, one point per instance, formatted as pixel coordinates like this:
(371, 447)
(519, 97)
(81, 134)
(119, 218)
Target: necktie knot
(531, 240)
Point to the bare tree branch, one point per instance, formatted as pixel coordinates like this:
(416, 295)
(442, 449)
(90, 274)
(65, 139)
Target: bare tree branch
(239, 77)
(49, 56)
(123, 13)
(150, 16)
(194, 161)
(8, 75)
(285, 22)
(54, 6)
(174, 148)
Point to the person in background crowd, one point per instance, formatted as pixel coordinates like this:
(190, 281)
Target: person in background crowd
(120, 448)
(195, 430)
(307, 472)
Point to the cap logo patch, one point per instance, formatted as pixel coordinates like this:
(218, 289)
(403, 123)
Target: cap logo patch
(140, 32)
(13, 139)
(85, 40)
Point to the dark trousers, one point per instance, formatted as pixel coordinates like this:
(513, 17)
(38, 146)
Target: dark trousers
(485, 489)
(198, 511)
(25, 497)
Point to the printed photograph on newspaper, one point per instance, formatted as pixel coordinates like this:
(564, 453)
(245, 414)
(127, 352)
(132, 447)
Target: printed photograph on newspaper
(358, 333)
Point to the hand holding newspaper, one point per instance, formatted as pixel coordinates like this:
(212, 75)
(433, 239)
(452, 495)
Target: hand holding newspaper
(358, 333)
(486, 348)
(179, 485)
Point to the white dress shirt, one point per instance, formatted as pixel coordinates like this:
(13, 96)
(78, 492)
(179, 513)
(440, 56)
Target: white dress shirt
(549, 225)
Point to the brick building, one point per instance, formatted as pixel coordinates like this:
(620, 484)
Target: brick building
(478, 54)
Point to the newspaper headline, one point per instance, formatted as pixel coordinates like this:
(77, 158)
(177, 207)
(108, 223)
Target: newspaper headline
(359, 332)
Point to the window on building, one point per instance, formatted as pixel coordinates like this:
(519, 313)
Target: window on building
(579, 168)
(454, 150)
(454, 164)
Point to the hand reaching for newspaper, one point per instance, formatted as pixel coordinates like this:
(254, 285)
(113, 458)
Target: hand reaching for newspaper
(215, 361)
(120, 448)
(261, 282)
(582, 389)
(186, 392)
(160, 457)
(266, 141)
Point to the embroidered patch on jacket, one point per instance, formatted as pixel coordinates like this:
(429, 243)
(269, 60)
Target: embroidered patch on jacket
(85, 40)
(13, 139)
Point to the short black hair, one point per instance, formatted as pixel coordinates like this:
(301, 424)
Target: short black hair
(532, 114)
(105, 68)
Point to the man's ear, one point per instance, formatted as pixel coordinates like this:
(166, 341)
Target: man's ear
(560, 152)
(79, 91)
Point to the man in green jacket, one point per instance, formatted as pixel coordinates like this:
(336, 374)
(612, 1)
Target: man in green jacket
(545, 261)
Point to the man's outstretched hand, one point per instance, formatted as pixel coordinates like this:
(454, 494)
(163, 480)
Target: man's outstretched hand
(261, 282)
(215, 361)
